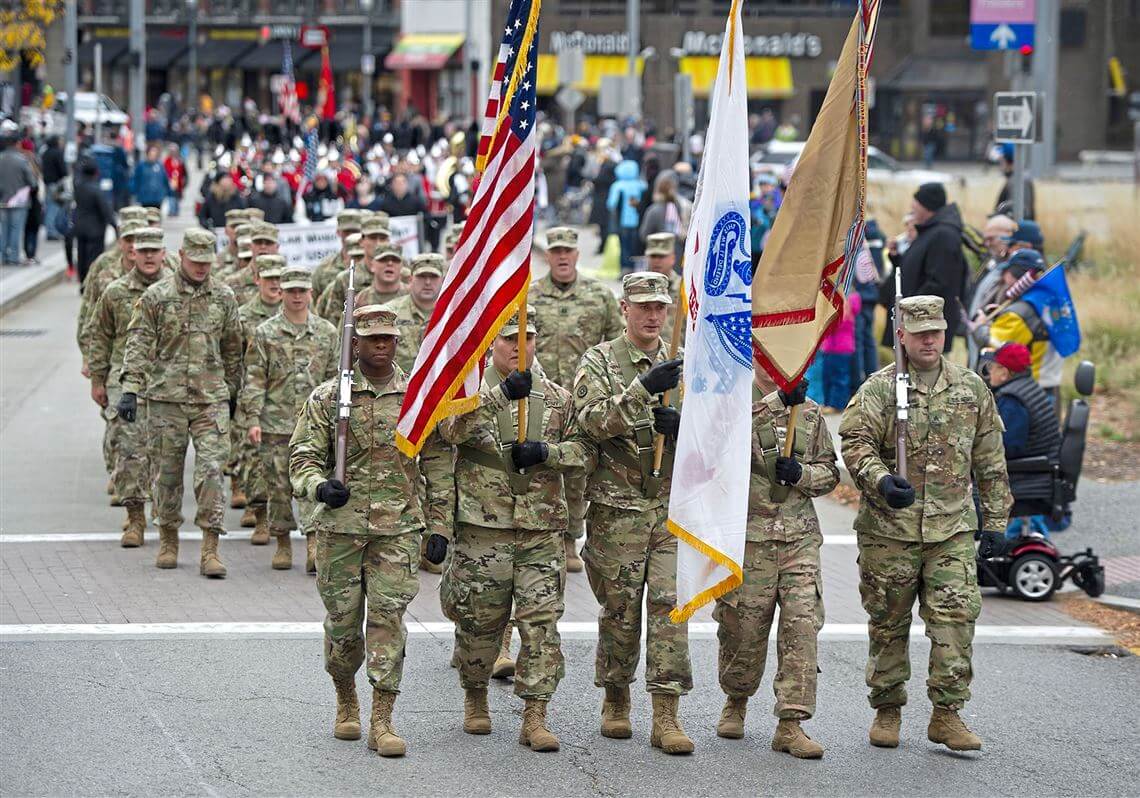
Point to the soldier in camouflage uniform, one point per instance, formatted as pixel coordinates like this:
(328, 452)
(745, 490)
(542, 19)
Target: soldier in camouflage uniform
(290, 354)
(347, 223)
(415, 308)
(661, 254)
(374, 244)
(629, 554)
(382, 286)
(243, 282)
(781, 567)
(247, 479)
(227, 261)
(510, 517)
(368, 528)
(915, 534)
(572, 312)
(183, 356)
(106, 343)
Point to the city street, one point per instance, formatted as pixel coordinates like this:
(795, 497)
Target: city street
(119, 678)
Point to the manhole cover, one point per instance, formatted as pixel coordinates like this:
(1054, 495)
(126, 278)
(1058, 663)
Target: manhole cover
(21, 333)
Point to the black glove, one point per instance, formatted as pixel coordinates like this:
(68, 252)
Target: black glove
(992, 544)
(897, 491)
(529, 453)
(435, 549)
(333, 492)
(667, 421)
(128, 407)
(233, 406)
(516, 385)
(797, 395)
(788, 470)
(662, 377)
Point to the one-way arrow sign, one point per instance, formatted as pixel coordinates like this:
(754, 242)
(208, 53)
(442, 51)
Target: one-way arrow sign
(1003, 36)
(1015, 117)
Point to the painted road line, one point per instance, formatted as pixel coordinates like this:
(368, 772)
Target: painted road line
(988, 634)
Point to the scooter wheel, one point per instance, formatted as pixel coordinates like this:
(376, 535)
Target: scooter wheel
(1033, 577)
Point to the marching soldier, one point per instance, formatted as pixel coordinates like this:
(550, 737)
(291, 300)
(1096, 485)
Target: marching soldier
(508, 539)
(374, 245)
(245, 463)
(572, 313)
(415, 308)
(183, 356)
(347, 223)
(661, 252)
(781, 567)
(227, 261)
(451, 241)
(915, 534)
(630, 556)
(383, 286)
(243, 279)
(107, 267)
(107, 339)
(368, 528)
(289, 355)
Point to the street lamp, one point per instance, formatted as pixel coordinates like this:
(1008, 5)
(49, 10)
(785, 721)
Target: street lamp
(192, 35)
(367, 62)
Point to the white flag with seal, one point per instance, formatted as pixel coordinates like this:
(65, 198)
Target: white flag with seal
(708, 500)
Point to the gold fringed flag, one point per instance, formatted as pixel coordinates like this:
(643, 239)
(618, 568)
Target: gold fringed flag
(799, 288)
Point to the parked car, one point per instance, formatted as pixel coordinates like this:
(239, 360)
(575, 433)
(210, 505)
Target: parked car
(881, 168)
(89, 106)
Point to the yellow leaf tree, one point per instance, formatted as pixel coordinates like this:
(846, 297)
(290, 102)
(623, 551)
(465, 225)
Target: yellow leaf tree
(22, 26)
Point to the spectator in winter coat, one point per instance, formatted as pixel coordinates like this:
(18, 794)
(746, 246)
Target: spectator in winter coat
(221, 197)
(399, 200)
(54, 173)
(624, 199)
(150, 184)
(176, 176)
(93, 215)
(669, 212)
(320, 199)
(276, 208)
(17, 182)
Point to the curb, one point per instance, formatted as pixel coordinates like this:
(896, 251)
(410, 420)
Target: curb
(1120, 603)
(19, 288)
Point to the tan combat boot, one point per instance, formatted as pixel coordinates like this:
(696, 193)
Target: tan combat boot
(260, 536)
(454, 655)
(791, 739)
(248, 518)
(667, 733)
(534, 734)
(116, 500)
(504, 667)
(425, 563)
(476, 715)
(731, 723)
(210, 563)
(136, 527)
(310, 552)
(885, 729)
(947, 728)
(237, 495)
(283, 557)
(615, 712)
(167, 547)
(110, 487)
(382, 737)
(574, 563)
(347, 726)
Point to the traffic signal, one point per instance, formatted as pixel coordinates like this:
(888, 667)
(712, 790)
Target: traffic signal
(1026, 51)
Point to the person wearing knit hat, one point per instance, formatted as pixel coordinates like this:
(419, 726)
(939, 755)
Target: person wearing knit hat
(1020, 322)
(931, 196)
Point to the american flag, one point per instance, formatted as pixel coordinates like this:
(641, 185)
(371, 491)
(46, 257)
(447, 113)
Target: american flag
(290, 109)
(312, 141)
(490, 271)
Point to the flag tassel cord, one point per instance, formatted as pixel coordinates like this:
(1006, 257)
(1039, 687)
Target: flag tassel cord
(734, 580)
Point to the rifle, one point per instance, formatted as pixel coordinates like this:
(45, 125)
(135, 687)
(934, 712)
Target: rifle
(902, 400)
(344, 395)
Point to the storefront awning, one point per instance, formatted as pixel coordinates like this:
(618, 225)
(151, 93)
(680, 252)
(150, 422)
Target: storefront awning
(767, 78)
(423, 50)
(594, 68)
(927, 73)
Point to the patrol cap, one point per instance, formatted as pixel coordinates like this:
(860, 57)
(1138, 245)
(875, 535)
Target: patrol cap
(373, 224)
(296, 277)
(374, 320)
(511, 328)
(254, 215)
(269, 266)
(128, 228)
(135, 213)
(564, 237)
(149, 238)
(263, 231)
(388, 251)
(200, 245)
(243, 230)
(1027, 232)
(153, 217)
(922, 313)
(451, 240)
(348, 221)
(353, 246)
(1024, 260)
(235, 216)
(429, 263)
(641, 287)
(660, 244)
(245, 248)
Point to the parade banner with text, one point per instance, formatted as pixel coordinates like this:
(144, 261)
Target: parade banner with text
(308, 243)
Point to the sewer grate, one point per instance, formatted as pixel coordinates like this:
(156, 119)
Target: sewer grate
(16, 333)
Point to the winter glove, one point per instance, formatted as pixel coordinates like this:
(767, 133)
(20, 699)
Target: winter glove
(128, 407)
(788, 470)
(435, 549)
(663, 376)
(796, 396)
(333, 492)
(667, 421)
(516, 385)
(529, 453)
(897, 491)
(992, 544)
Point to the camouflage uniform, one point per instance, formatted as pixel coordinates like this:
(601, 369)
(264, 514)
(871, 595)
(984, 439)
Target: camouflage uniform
(282, 366)
(781, 564)
(410, 317)
(508, 541)
(629, 554)
(666, 244)
(331, 304)
(243, 284)
(347, 222)
(184, 356)
(569, 321)
(925, 550)
(368, 550)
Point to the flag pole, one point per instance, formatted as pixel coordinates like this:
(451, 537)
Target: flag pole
(790, 435)
(522, 359)
(674, 345)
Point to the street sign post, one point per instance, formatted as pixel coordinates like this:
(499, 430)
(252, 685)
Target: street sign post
(1017, 122)
(1002, 24)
